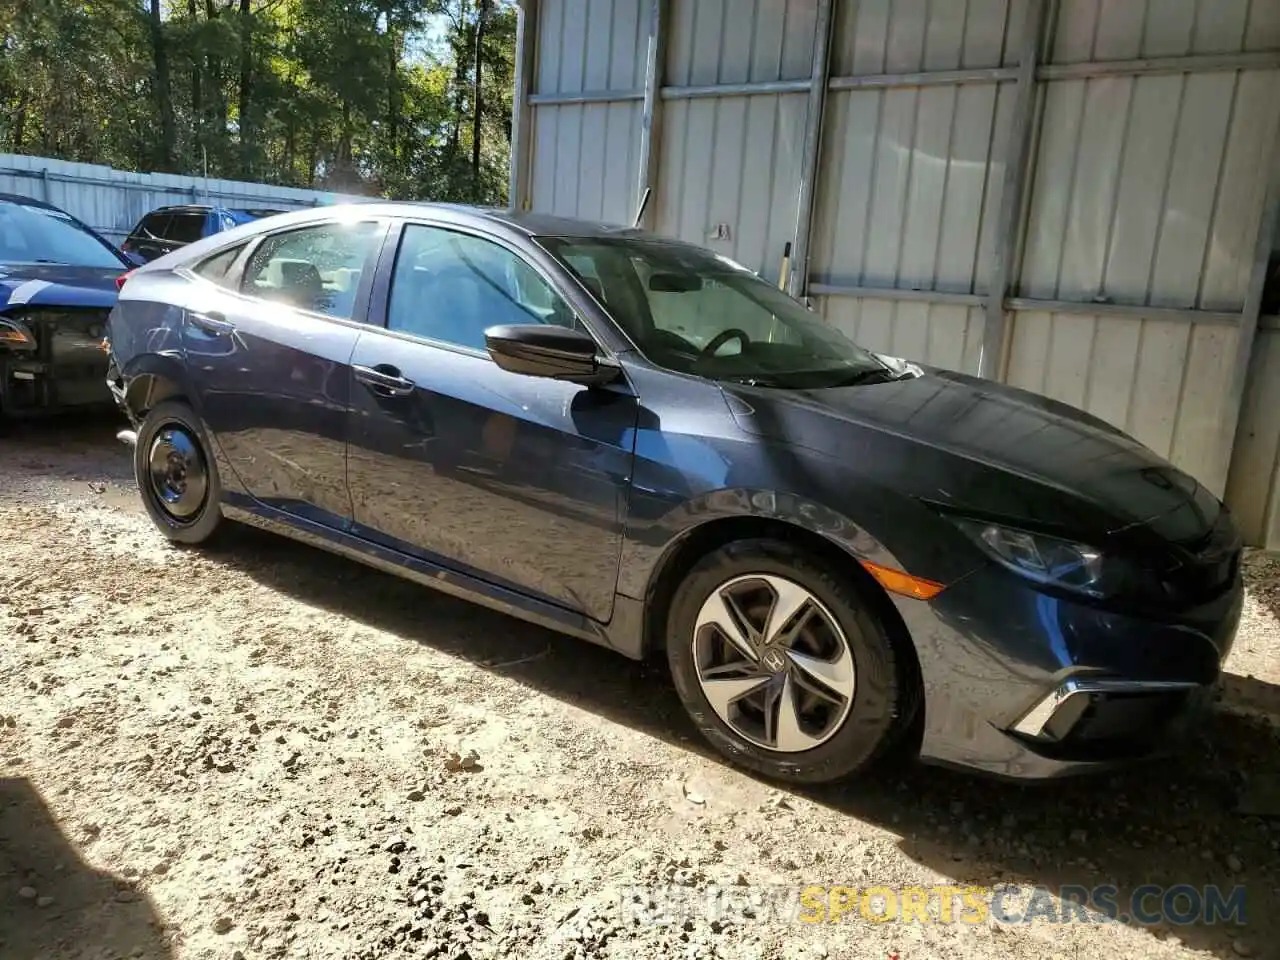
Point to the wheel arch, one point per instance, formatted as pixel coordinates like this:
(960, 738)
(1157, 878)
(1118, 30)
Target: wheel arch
(684, 552)
(152, 379)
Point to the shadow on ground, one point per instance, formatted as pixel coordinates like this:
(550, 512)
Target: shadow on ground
(1208, 816)
(53, 904)
(69, 446)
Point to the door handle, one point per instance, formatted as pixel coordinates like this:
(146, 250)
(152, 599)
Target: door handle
(386, 378)
(214, 323)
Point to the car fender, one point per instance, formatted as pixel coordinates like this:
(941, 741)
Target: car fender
(649, 546)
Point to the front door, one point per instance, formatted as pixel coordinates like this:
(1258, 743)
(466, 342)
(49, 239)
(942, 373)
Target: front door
(520, 481)
(268, 346)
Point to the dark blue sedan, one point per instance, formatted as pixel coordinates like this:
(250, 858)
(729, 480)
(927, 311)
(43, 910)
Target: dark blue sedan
(57, 284)
(640, 443)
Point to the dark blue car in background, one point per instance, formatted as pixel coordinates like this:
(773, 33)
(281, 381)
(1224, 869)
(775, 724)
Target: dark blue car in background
(165, 229)
(58, 282)
(640, 443)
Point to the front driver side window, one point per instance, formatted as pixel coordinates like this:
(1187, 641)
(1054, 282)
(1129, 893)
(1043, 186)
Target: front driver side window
(451, 287)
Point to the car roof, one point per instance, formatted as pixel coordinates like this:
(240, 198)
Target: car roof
(530, 224)
(184, 208)
(27, 201)
(462, 215)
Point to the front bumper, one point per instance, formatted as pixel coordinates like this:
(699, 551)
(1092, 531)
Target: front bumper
(64, 369)
(1026, 685)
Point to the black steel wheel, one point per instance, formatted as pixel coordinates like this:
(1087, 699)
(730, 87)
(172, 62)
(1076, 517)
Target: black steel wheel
(176, 474)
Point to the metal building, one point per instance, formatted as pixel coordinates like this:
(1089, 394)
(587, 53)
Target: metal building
(1074, 196)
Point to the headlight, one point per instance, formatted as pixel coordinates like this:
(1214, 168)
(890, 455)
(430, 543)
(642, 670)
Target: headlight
(15, 335)
(1062, 563)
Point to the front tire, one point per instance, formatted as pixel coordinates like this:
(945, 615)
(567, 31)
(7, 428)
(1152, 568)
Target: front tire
(783, 665)
(176, 474)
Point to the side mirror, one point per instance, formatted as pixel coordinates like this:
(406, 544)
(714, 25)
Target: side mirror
(547, 350)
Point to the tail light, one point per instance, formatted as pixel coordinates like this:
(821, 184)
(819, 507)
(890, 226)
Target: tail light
(123, 279)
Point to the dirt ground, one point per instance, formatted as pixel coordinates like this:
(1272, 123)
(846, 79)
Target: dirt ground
(267, 751)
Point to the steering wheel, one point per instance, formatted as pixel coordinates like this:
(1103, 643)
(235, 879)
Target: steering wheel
(723, 337)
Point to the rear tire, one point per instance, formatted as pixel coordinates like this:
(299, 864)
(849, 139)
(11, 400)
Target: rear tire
(177, 475)
(814, 698)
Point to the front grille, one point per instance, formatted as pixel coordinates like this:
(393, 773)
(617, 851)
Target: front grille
(68, 338)
(1210, 567)
(1205, 578)
(67, 366)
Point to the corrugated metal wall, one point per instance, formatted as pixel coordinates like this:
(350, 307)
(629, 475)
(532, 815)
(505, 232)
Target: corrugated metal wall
(586, 155)
(1254, 486)
(1148, 192)
(113, 201)
(1131, 237)
(730, 164)
(913, 176)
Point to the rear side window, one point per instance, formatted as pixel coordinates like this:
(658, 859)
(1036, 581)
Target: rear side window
(153, 225)
(186, 227)
(315, 268)
(217, 268)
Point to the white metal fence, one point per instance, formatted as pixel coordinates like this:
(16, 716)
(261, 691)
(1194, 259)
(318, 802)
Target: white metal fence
(113, 201)
(1069, 195)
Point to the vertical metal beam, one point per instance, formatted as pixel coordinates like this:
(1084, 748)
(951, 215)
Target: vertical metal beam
(1017, 174)
(651, 117)
(798, 284)
(518, 197)
(1248, 327)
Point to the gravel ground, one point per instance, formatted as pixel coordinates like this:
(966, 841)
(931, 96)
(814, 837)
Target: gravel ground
(266, 751)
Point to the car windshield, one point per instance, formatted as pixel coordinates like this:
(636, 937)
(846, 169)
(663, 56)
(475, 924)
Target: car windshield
(33, 234)
(695, 312)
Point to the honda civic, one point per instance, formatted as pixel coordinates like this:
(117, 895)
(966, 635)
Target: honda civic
(640, 443)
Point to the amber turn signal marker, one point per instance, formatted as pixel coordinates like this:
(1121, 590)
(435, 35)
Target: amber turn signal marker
(895, 581)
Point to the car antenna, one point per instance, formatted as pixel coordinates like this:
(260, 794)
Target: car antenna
(644, 205)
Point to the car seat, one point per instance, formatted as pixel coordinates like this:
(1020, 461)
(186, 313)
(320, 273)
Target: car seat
(301, 285)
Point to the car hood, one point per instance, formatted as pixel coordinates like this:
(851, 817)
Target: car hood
(986, 449)
(57, 285)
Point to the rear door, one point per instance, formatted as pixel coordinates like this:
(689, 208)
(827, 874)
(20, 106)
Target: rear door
(268, 333)
(520, 481)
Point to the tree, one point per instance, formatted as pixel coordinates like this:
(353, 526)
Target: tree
(350, 95)
(477, 107)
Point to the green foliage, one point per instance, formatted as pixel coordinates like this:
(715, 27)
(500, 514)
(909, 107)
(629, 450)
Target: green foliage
(344, 95)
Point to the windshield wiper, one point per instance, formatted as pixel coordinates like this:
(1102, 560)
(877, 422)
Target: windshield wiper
(876, 375)
(749, 381)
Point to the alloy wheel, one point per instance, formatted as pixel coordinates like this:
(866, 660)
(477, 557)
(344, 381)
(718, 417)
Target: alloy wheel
(773, 663)
(177, 472)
